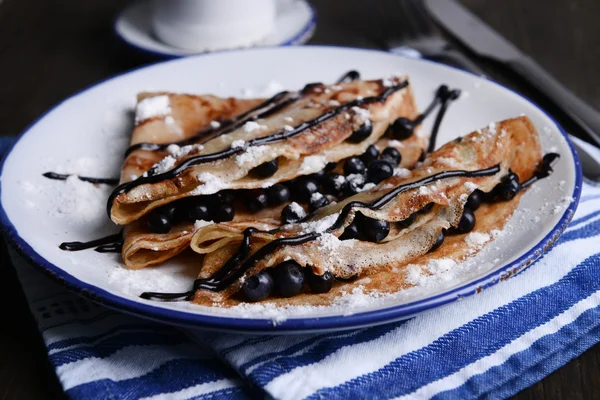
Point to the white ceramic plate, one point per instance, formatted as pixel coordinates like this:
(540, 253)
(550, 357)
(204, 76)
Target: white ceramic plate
(88, 133)
(295, 23)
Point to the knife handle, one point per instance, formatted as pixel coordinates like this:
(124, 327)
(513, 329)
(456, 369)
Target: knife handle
(581, 113)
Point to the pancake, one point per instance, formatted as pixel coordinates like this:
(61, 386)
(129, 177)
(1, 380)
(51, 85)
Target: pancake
(480, 161)
(303, 131)
(142, 247)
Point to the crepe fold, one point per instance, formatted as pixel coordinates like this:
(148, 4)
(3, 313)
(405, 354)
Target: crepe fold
(165, 118)
(511, 144)
(303, 154)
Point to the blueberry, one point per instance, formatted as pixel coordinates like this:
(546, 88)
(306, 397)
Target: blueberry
(292, 213)
(289, 278)
(318, 176)
(392, 155)
(508, 188)
(474, 200)
(438, 242)
(319, 283)
(317, 200)
(362, 132)
(354, 165)
(257, 287)
(266, 169)
(197, 210)
(224, 213)
(278, 194)
(402, 128)
(334, 184)
(159, 221)
(256, 200)
(304, 188)
(467, 222)
(379, 170)
(373, 230)
(354, 184)
(351, 232)
(224, 197)
(370, 155)
(330, 166)
(405, 223)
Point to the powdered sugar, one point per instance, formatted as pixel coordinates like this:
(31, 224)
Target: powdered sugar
(237, 144)
(450, 162)
(252, 126)
(470, 185)
(201, 223)
(320, 225)
(297, 209)
(402, 172)
(356, 179)
(215, 124)
(368, 186)
(164, 165)
(316, 196)
(210, 184)
(476, 240)
(251, 154)
(178, 152)
(312, 164)
(152, 107)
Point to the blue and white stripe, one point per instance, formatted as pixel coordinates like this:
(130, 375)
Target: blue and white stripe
(492, 344)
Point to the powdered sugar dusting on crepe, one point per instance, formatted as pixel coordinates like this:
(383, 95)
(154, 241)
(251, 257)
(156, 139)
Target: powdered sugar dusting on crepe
(152, 107)
(211, 184)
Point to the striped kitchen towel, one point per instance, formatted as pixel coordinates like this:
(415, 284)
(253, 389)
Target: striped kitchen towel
(493, 344)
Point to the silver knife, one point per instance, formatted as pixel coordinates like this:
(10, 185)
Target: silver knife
(484, 41)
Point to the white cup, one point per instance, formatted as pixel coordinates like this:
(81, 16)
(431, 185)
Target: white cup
(213, 24)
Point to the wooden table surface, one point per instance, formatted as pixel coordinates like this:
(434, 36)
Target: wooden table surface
(49, 50)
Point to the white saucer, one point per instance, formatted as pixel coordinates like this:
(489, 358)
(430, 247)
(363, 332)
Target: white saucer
(294, 24)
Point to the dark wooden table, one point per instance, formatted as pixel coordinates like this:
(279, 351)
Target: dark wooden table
(51, 49)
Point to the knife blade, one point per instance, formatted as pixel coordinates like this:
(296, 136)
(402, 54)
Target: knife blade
(486, 42)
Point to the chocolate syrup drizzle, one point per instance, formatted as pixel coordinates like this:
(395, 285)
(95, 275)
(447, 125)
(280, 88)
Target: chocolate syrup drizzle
(445, 97)
(107, 244)
(543, 170)
(239, 264)
(153, 177)
(349, 77)
(63, 177)
(235, 267)
(269, 106)
(262, 110)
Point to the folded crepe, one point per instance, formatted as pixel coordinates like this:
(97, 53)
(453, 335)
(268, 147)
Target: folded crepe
(163, 118)
(232, 255)
(142, 247)
(161, 121)
(303, 130)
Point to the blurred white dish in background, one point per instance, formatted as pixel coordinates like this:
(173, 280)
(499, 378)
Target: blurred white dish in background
(211, 25)
(294, 23)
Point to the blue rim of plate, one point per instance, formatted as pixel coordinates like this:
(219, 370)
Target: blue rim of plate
(301, 37)
(292, 325)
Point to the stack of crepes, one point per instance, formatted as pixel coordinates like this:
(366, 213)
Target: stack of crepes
(189, 150)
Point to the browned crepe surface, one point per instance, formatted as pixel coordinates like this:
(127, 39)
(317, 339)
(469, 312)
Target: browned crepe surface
(326, 139)
(142, 247)
(512, 144)
(489, 218)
